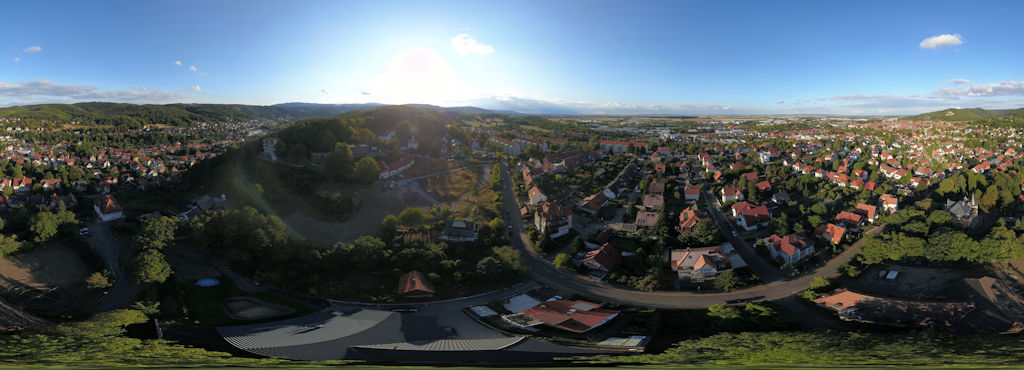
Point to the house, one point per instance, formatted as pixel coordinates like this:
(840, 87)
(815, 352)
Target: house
(849, 220)
(964, 212)
(687, 220)
(269, 147)
(764, 186)
(594, 203)
(657, 186)
(459, 231)
(691, 192)
(750, 217)
(765, 157)
(389, 170)
(731, 193)
(830, 233)
(604, 258)
(414, 284)
(653, 202)
(553, 218)
(698, 264)
(889, 203)
(536, 196)
(791, 248)
(780, 197)
(564, 314)
(646, 219)
(868, 211)
(107, 208)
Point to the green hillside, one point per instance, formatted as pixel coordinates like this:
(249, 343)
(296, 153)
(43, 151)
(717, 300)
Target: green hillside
(953, 114)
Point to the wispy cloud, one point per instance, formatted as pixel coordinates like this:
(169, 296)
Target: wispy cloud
(33, 49)
(958, 81)
(193, 68)
(1003, 88)
(465, 44)
(204, 74)
(196, 88)
(46, 91)
(325, 91)
(942, 40)
(17, 59)
(178, 63)
(780, 102)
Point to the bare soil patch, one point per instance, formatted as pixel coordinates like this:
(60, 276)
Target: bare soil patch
(46, 280)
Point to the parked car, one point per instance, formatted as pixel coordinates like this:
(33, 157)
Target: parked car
(84, 232)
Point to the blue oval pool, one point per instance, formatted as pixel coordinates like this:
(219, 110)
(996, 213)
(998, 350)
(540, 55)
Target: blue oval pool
(207, 282)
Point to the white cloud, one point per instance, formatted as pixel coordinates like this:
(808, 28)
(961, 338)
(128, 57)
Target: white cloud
(193, 68)
(43, 91)
(958, 81)
(178, 63)
(33, 49)
(780, 102)
(1004, 88)
(942, 40)
(204, 74)
(17, 59)
(465, 44)
(196, 88)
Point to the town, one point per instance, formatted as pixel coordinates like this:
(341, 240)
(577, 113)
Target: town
(539, 237)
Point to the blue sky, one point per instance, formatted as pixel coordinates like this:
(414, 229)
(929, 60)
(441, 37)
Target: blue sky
(614, 57)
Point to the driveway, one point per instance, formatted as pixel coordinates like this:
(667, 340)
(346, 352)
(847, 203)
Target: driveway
(124, 291)
(776, 287)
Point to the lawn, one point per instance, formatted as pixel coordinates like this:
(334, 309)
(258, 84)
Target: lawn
(202, 304)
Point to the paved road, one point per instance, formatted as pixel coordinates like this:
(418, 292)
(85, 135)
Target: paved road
(545, 272)
(765, 270)
(124, 291)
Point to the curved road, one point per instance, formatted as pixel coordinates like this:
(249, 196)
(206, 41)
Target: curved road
(544, 272)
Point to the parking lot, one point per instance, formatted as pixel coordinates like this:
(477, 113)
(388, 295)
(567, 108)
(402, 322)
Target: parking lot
(909, 282)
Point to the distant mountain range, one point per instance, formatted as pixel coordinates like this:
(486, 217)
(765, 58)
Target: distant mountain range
(968, 114)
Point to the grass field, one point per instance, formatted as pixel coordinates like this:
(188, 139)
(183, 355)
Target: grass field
(449, 187)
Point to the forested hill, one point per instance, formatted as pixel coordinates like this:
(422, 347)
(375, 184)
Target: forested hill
(188, 114)
(969, 114)
(427, 123)
(171, 114)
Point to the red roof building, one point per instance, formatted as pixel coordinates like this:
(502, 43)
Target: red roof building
(415, 284)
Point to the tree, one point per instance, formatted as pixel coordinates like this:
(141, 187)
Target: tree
(366, 252)
(722, 311)
(366, 170)
(338, 163)
(759, 310)
(510, 259)
(99, 280)
(820, 282)
(156, 233)
(412, 217)
(938, 217)
(728, 281)
(563, 261)
(45, 224)
(149, 308)
(389, 227)
(489, 267)
(151, 267)
(990, 198)
(8, 245)
(577, 245)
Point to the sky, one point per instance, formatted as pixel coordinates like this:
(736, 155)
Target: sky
(583, 57)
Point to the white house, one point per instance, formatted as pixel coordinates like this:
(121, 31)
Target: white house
(107, 209)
